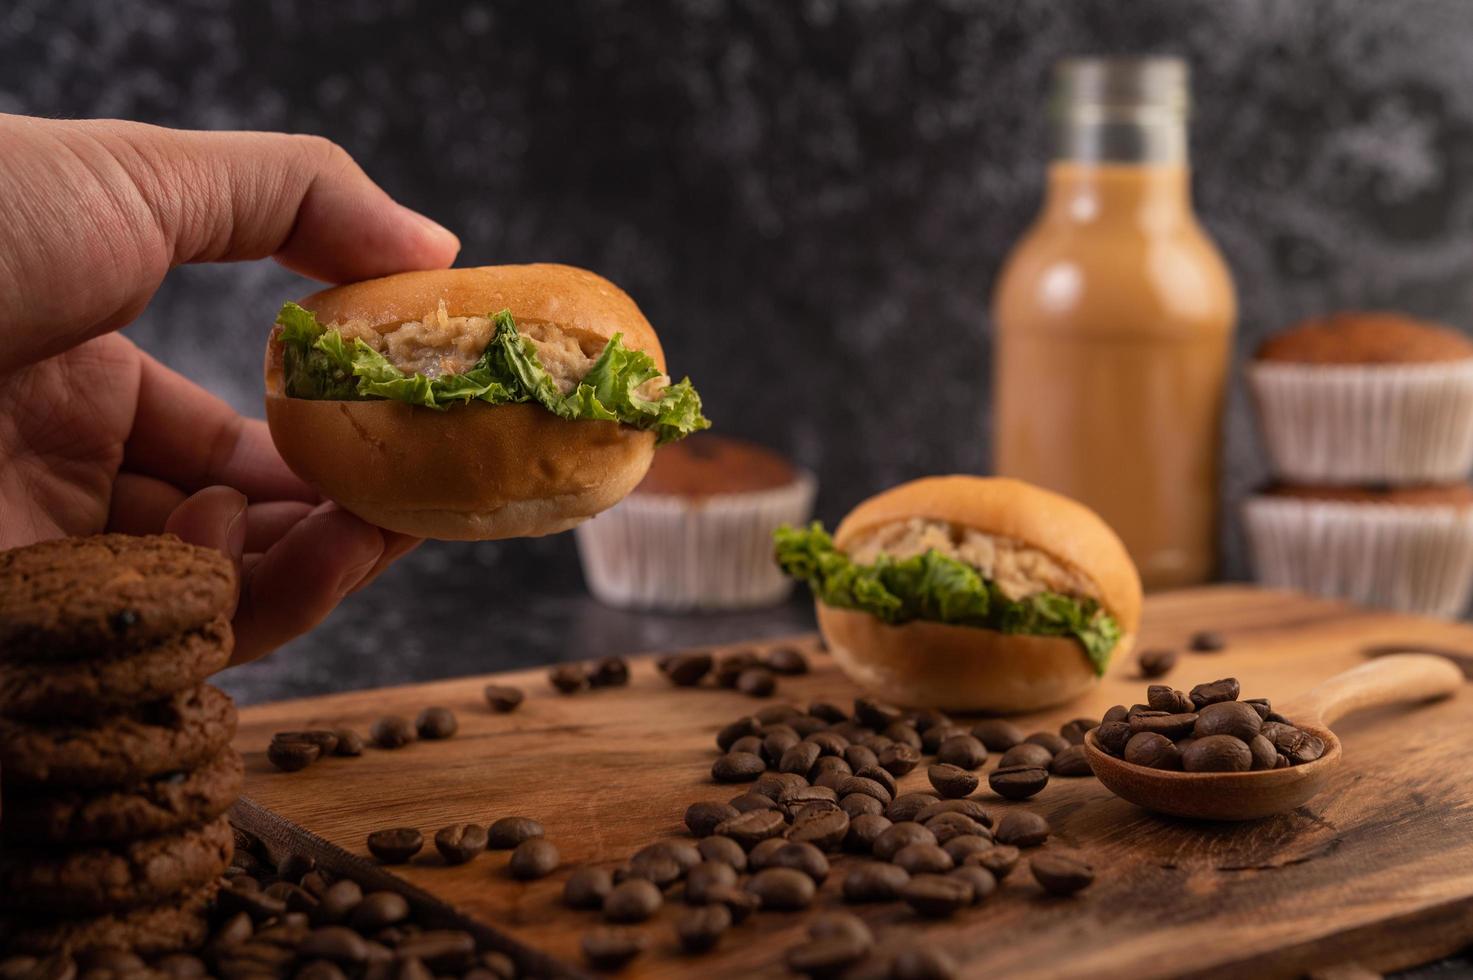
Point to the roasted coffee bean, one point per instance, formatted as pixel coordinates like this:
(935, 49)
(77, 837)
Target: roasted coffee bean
(1112, 736)
(508, 832)
(962, 751)
(442, 950)
(795, 799)
(706, 876)
(952, 782)
(1136, 709)
(828, 712)
(292, 756)
(1260, 705)
(827, 957)
(829, 743)
(1071, 762)
(395, 845)
(880, 775)
(788, 661)
(923, 963)
(325, 740)
(1021, 828)
(876, 743)
(964, 844)
(236, 929)
(774, 784)
(875, 714)
(660, 870)
(698, 930)
(460, 842)
(948, 825)
(921, 858)
(968, 808)
(1233, 718)
(688, 669)
(338, 901)
(1265, 756)
(534, 858)
(776, 743)
(378, 910)
(1156, 663)
(997, 735)
(737, 767)
(799, 759)
(756, 682)
(587, 888)
(1049, 740)
(1060, 874)
(1214, 693)
(866, 787)
(932, 737)
(907, 806)
(632, 900)
(761, 854)
(825, 829)
(999, 859)
(609, 672)
(1017, 782)
(1074, 730)
(685, 854)
(502, 698)
(983, 882)
(723, 849)
(925, 719)
(863, 831)
(1026, 754)
(902, 734)
(806, 725)
(874, 881)
(747, 743)
(748, 829)
(1118, 712)
(900, 835)
(701, 818)
(1217, 753)
(1208, 641)
(753, 801)
(436, 723)
(832, 766)
(1164, 697)
(391, 732)
(611, 949)
(1152, 751)
(860, 804)
(1172, 726)
(801, 856)
(730, 667)
(860, 757)
(782, 889)
(936, 896)
(568, 678)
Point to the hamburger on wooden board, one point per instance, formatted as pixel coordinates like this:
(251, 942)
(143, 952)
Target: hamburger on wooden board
(471, 404)
(969, 594)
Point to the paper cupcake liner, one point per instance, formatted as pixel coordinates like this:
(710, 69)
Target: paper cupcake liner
(1415, 559)
(1366, 424)
(680, 554)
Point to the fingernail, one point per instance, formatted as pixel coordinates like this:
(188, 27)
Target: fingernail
(436, 230)
(235, 534)
(353, 576)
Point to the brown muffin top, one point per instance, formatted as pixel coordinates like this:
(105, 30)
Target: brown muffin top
(1366, 338)
(1458, 495)
(704, 465)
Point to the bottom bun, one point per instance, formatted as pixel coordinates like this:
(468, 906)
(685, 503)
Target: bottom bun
(476, 472)
(957, 668)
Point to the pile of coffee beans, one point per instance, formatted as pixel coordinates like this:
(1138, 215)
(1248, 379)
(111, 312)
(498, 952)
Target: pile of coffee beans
(574, 677)
(1206, 729)
(533, 856)
(294, 751)
(753, 673)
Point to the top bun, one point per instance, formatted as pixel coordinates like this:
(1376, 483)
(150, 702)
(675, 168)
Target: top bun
(1366, 338)
(1060, 527)
(476, 471)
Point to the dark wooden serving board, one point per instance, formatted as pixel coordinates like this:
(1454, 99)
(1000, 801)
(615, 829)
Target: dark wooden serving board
(1377, 871)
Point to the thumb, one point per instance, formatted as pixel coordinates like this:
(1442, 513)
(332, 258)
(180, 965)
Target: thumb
(215, 517)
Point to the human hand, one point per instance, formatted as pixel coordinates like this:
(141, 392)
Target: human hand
(96, 435)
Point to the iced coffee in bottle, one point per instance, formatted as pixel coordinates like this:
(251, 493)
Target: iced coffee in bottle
(1114, 319)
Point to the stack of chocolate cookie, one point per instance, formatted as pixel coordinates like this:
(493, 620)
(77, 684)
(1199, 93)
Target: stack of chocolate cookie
(115, 761)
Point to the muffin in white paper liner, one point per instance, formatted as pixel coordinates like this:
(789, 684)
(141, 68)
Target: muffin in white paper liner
(1343, 424)
(683, 553)
(1411, 558)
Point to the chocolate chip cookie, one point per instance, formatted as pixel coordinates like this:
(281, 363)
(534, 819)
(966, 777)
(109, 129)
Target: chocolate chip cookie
(155, 806)
(73, 597)
(83, 688)
(150, 930)
(108, 878)
(181, 732)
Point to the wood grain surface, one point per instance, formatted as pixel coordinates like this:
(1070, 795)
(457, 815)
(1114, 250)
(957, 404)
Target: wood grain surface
(1376, 871)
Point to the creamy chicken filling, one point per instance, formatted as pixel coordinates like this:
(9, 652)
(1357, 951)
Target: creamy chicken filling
(1018, 569)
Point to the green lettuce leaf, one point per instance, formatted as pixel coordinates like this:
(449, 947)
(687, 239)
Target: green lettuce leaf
(938, 589)
(318, 364)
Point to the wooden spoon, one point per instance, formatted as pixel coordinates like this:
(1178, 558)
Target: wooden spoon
(1393, 679)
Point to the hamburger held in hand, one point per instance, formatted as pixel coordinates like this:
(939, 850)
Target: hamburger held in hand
(498, 402)
(969, 594)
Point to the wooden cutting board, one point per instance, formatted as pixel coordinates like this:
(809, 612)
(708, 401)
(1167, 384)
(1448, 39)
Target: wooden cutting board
(1377, 871)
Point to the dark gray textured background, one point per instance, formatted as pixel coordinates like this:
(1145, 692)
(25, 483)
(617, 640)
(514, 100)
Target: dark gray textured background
(809, 199)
